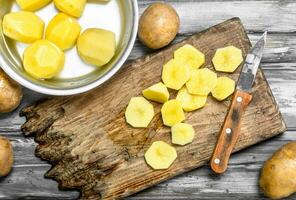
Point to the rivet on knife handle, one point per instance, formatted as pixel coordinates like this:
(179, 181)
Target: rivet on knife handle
(230, 131)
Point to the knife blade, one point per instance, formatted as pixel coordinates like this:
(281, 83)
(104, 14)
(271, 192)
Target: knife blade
(241, 99)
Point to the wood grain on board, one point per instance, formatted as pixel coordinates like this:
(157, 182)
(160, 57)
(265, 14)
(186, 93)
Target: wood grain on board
(93, 150)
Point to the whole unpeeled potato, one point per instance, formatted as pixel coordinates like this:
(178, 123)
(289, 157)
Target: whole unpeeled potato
(158, 25)
(278, 176)
(6, 157)
(10, 93)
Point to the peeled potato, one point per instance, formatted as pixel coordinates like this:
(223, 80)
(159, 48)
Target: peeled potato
(189, 101)
(32, 5)
(23, 26)
(227, 59)
(96, 46)
(278, 175)
(201, 82)
(224, 88)
(10, 93)
(71, 7)
(139, 112)
(160, 155)
(182, 134)
(157, 92)
(175, 74)
(158, 25)
(6, 157)
(190, 56)
(63, 31)
(43, 60)
(172, 112)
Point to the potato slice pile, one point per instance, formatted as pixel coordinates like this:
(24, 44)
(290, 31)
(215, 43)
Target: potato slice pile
(201, 82)
(194, 84)
(190, 102)
(43, 58)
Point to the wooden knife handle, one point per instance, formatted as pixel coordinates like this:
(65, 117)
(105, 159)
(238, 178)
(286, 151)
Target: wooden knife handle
(229, 131)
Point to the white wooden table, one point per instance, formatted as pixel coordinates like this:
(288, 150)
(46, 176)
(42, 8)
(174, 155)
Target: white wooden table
(241, 179)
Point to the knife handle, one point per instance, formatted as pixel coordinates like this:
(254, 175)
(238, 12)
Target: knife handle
(229, 131)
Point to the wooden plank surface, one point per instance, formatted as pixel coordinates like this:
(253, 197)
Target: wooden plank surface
(240, 182)
(92, 149)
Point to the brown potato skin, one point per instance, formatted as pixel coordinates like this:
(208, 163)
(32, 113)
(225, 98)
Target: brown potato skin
(10, 93)
(6, 156)
(158, 25)
(278, 176)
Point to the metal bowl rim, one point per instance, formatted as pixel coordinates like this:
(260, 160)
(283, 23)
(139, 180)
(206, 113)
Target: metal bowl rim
(90, 86)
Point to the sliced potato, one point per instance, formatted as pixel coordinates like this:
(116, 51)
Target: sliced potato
(157, 92)
(23, 26)
(182, 134)
(227, 59)
(190, 56)
(175, 74)
(160, 155)
(224, 88)
(201, 82)
(172, 112)
(190, 102)
(139, 112)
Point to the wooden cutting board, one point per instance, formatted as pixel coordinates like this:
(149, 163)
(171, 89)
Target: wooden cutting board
(93, 150)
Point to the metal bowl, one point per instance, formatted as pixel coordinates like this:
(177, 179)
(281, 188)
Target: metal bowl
(119, 16)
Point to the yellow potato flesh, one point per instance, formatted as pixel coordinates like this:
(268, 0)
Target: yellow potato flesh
(23, 26)
(175, 74)
(63, 31)
(32, 5)
(172, 112)
(96, 46)
(71, 7)
(190, 56)
(182, 134)
(189, 101)
(224, 88)
(227, 59)
(157, 92)
(43, 60)
(160, 155)
(201, 82)
(139, 112)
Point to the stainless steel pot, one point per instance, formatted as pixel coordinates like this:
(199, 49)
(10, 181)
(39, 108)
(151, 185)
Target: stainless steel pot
(120, 16)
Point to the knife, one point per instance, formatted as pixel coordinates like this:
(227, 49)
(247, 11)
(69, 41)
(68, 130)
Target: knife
(241, 99)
